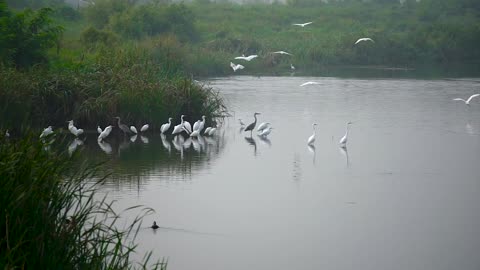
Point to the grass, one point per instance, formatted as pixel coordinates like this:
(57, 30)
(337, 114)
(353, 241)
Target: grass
(50, 219)
(132, 82)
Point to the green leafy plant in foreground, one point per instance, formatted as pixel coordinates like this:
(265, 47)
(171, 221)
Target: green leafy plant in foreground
(50, 217)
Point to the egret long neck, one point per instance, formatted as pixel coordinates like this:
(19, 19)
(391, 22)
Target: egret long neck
(255, 116)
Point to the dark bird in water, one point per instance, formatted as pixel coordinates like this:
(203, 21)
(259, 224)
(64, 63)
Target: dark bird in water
(123, 127)
(252, 125)
(154, 226)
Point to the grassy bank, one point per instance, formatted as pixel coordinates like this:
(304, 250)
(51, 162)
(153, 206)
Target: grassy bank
(122, 82)
(50, 218)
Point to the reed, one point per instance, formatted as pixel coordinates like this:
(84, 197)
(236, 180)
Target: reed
(51, 217)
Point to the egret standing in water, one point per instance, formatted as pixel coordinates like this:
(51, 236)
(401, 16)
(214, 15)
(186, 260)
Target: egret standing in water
(467, 102)
(311, 139)
(166, 126)
(343, 140)
(73, 129)
(122, 127)
(252, 125)
(47, 131)
(144, 128)
(104, 134)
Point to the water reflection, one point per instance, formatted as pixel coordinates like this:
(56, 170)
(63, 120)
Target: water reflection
(105, 147)
(265, 140)
(73, 145)
(251, 141)
(144, 139)
(311, 149)
(344, 152)
(166, 144)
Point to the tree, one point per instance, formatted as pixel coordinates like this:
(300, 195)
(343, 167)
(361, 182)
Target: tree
(26, 36)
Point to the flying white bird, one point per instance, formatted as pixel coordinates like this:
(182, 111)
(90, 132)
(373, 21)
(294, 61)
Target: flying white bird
(467, 102)
(311, 139)
(247, 58)
(46, 132)
(309, 83)
(236, 67)
(144, 128)
(282, 52)
(343, 140)
(364, 39)
(302, 24)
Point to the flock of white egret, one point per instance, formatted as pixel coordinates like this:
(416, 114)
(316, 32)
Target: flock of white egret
(236, 67)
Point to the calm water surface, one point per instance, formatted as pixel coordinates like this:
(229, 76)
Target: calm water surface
(404, 194)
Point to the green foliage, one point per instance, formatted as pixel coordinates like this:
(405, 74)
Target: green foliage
(150, 20)
(25, 37)
(130, 82)
(92, 37)
(50, 217)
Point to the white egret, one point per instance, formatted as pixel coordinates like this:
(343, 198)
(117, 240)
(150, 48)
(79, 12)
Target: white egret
(195, 133)
(47, 131)
(302, 24)
(265, 132)
(186, 125)
(252, 125)
(263, 126)
(467, 102)
(166, 126)
(177, 129)
(123, 127)
(144, 128)
(212, 131)
(311, 139)
(364, 39)
(202, 123)
(134, 129)
(104, 134)
(292, 67)
(99, 129)
(7, 134)
(343, 140)
(247, 58)
(73, 129)
(309, 83)
(282, 52)
(196, 125)
(236, 67)
(207, 130)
